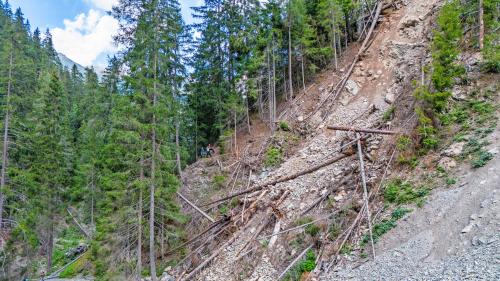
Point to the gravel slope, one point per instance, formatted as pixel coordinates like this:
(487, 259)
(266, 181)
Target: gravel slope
(455, 236)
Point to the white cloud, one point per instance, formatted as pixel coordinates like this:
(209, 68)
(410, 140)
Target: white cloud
(86, 37)
(103, 4)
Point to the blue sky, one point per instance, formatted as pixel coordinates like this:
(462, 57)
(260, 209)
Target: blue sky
(81, 28)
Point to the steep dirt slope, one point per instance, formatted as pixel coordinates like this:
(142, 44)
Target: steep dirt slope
(385, 71)
(455, 236)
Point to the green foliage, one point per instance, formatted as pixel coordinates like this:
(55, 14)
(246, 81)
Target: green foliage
(451, 181)
(346, 249)
(334, 231)
(481, 159)
(273, 157)
(474, 149)
(403, 143)
(411, 161)
(219, 181)
(307, 264)
(426, 130)
(77, 267)
(400, 192)
(385, 225)
(388, 114)
(284, 126)
(311, 229)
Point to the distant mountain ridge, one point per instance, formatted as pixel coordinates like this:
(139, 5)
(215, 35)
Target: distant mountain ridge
(67, 62)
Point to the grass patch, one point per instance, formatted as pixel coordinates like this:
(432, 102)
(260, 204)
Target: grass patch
(388, 114)
(219, 181)
(76, 267)
(481, 159)
(385, 225)
(346, 249)
(284, 126)
(401, 192)
(311, 229)
(305, 265)
(273, 157)
(474, 149)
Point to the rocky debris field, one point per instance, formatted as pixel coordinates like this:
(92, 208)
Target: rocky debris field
(455, 236)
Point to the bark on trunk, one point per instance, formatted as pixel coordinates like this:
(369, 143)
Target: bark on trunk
(178, 149)
(481, 25)
(290, 56)
(152, 255)
(5, 140)
(50, 246)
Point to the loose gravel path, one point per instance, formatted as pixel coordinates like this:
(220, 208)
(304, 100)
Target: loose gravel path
(455, 236)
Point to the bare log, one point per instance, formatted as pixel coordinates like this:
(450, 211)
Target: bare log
(365, 193)
(261, 228)
(295, 261)
(361, 130)
(277, 228)
(282, 179)
(198, 236)
(324, 196)
(82, 229)
(195, 207)
(209, 259)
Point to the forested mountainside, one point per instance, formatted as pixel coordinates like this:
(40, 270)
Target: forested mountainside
(93, 169)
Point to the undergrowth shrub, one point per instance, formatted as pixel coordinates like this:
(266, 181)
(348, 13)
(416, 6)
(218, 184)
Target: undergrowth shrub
(284, 126)
(219, 181)
(400, 192)
(385, 225)
(311, 229)
(273, 157)
(305, 265)
(388, 114)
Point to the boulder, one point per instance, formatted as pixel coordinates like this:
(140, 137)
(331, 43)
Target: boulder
(454, 149)
(390, 98)
(458, 93)
(352, 87)
(447, 163)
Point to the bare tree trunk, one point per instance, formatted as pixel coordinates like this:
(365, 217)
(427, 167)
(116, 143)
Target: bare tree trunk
(152, 255)
(481, 25)
(139, 221)
(274, 87)
(162, 242)
(50, 245)
(178, 149)
(235, 135)
(334, 43)
(290, 53)
(5, 140)
(92, 198)
(303, 72)
(270, 91)
(248, 115)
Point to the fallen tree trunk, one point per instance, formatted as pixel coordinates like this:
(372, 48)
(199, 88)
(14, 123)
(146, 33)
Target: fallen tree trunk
(209, 259)
(324, 196)
(195, 207)
(282, 179)
(295, 261)
(365, 194)
(82, 229)
(198, 236)
(361, 130)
